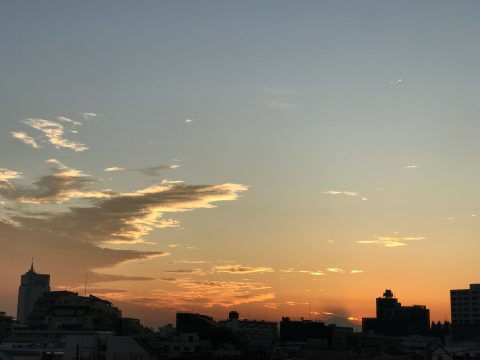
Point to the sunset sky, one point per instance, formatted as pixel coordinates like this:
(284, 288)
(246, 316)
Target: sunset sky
(251, 155)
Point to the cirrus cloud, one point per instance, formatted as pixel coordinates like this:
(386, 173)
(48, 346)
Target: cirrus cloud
(54, 133)
(24, 138)
(392, 241)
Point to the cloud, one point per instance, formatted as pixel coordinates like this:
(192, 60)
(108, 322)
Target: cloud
(345, 192)
(96, 277)
(68, 120)
(117, 217)
(240, 269)
(114, 169)
(309, 272)
(188, 121)
(356, 271)
(389, 241)
(77, 237)
(7, 174)
(396, 82)
(54, 132)
(336, 270)
(192, 261)
(204, 293)
(26, 139)
(187, 271)
(89, 116)
(61, 185)
(335, 192)
(411, 166)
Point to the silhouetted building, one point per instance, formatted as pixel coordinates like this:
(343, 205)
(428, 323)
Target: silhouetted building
(465, 308)
(32, 286)
(202, 325)
(335, 337)
(393, 319)
(65, 310)
(252, 335)
(441, 331)
(5, 325)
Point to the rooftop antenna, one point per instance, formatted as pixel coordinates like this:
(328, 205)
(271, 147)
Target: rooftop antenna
(31, 267)
(86, 280)
(309, 310)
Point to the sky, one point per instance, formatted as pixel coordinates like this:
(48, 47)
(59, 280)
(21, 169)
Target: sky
(280, 158)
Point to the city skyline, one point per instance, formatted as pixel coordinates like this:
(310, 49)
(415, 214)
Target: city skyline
(277, 158)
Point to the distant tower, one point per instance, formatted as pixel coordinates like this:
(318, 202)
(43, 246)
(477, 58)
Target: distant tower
(32, 286)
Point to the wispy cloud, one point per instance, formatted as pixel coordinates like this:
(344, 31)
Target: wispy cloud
(7, 174)
(240, 269)
(396, 82)
(196, 271)
(89, 116)
(26, 139)
(192, 261)
(412, 166)
(61, 185)
(389, 241)
(336, 270)
(308, 272)
(188, 121)
(204, 293)
(345, 193)
(114, 169)
(69, 121)
(356, 271)
(54, 132)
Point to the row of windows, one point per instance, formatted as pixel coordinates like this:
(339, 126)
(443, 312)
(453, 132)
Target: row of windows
(465, 316)
(467, 310)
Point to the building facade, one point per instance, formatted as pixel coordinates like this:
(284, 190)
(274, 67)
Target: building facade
(465, 311)
(32, 286)
(65, 310)
(393, 319)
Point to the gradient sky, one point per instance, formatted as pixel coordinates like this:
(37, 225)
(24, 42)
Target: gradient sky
(258, 156)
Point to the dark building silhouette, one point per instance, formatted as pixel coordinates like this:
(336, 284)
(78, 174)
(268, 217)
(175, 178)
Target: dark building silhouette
(303, 330)
(32, 286)
(254, 337)
(5, 325)
(202, 325)
(65, 310)
(393, 319)
(465, 311)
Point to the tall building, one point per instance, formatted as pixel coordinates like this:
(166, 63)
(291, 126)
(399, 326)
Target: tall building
(393, 319)
(465, 308)
(32, 286)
